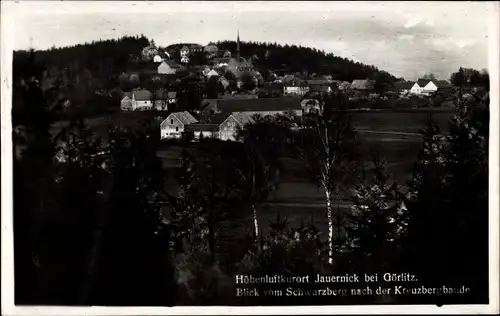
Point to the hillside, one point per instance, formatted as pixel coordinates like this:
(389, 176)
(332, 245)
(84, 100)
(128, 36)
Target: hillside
(109, 57)
(304, 59)
(89, 75)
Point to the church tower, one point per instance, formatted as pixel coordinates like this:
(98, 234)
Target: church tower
(238, 46)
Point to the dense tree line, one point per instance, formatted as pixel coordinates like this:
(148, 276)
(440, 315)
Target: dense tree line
(96, 226)
(302, 59)
(469, 78)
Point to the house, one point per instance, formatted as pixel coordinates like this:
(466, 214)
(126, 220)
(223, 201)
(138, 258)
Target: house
(184, 51)
(126, 102)
(318, 82)
(169, 67)
(141, 100)
(212, 73)
(228, 130)
(296, 88)
(199, 130)
(157, 59)
(363, 85)
(428, 87)
(174, 125)
(417, 89)
(266, 106)
(185, 59)
(227, 54)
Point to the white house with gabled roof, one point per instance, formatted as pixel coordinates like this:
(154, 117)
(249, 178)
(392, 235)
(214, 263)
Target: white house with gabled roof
(174, 125)
(142, 100)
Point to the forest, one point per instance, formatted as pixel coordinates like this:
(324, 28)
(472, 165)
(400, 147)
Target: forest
(99, 227)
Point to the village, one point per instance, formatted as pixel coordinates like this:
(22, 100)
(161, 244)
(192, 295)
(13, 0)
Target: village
(240, 91)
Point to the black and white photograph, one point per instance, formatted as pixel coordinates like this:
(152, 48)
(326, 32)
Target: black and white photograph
(255, 157)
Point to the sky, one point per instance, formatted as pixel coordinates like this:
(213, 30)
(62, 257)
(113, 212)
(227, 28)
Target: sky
(407, 39)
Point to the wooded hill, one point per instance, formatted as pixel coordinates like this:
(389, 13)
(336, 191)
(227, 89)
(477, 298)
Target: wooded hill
(108, 58)
(86, 73)
(304, 59)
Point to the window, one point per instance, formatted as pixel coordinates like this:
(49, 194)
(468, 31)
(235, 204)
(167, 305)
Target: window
(177, 128)
(171, 121)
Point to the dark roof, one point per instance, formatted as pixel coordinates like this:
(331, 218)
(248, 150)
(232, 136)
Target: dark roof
(319, 88)
(127, 94)
(423, 82)
(442, 84)
(202, 127)
(296, 83)
(404, 85)
(143, 95)
(253, 105)
(318, 82)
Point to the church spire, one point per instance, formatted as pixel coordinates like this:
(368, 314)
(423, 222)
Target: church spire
(238, 46)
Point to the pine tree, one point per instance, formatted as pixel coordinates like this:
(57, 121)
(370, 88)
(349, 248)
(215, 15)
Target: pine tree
(375, 224)
(448, 205)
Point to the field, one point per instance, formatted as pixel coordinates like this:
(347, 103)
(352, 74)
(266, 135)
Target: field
(392, 134)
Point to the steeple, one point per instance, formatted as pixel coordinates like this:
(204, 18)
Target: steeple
(238, 46)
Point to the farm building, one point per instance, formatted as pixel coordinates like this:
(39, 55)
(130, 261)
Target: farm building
(174, 125)
(266, 106)
(296, 88)
(229, 128)
(169, 67)
(199, 130)
(139, 100)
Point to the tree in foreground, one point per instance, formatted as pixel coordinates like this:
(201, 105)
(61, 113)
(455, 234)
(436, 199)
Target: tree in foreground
(202, 207)
(134, 266)
(32, 118)
(258, 163)
(289, 252)
(447, 240)
(327, 146)
(375, 225)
